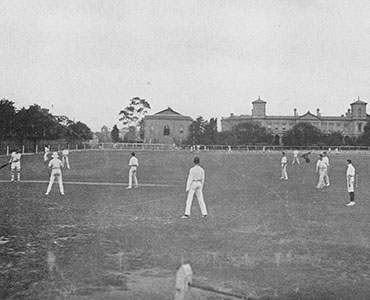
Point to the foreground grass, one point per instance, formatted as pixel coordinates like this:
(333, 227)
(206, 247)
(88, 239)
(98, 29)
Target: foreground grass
(263, 238)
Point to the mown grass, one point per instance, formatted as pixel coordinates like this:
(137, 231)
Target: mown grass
(263, 238)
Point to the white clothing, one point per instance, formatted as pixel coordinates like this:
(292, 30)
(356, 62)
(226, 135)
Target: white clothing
(15, 165)
(321, 168)
(350, 178)
(325, 159)
(65, 159)
(295, 157)
(194, 185)
(55, 164)
(284, 174)
(46, 150)
(132, 174)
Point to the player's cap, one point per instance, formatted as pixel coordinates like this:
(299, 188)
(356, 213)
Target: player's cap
(55, 154)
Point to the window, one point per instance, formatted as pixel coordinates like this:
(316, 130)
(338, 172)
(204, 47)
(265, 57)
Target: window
(151, 128)
(181, 129)
(166, 130)
(359, 111)
(359, 127)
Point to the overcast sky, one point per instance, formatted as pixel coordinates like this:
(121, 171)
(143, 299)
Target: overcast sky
(87, 59)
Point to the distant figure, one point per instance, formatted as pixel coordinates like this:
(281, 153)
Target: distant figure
(194, 185)
(305, 156)
(132, 175)
(46, 153)
(284, 162)
(264, 149)
(336, 151)
(325, 159)
(65, 159)
(15, 165)
(350, 174)
(295, 157)
(229, 150)
(56, 165)
(321, 169)
(329, 150)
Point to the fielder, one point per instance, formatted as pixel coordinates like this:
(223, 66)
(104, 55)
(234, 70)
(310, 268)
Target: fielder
(133, 163)
(321, 168)
(350, 174)
(56, 165)
(194, 185)
(295, 157)
(15, 165)
(325, 159)
(46, 153)
(284, 162)
(65, 159)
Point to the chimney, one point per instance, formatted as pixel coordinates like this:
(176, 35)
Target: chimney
(295, 112)
(318, 112)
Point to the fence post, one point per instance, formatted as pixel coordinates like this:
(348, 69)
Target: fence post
(23, 149)
(7, 150)
(183, 280)
(37, 149)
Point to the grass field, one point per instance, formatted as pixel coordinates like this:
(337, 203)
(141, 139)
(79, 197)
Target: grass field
(264, 238)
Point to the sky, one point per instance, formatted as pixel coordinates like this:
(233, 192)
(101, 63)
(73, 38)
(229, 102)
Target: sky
(86, 59)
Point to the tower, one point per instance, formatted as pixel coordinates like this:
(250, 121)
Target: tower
(358, 109)
(259, 108)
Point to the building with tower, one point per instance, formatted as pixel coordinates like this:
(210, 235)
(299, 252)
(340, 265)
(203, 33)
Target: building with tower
(350, 124)
(166, 127)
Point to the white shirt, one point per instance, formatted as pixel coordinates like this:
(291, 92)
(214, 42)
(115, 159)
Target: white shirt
(295, 153)
(55, 163)
(65, 152)
(325, 159)
(196, 173)
(350, 170)
(133, 162)
(15, 157)
(321, 165)
(284, 161)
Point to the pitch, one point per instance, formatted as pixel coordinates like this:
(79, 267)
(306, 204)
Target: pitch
(264, 238)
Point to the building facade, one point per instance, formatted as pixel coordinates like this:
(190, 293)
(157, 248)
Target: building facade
(166, 127)
(350, 124)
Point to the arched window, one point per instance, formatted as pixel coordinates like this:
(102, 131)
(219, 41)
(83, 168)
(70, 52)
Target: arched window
(166, 130)
(181, 129)
(359, 111)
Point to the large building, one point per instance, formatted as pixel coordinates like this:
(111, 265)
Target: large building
(350, 124)
(166, 127)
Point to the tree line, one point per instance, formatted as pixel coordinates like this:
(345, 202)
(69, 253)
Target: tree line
(205, 132)
(38, 124)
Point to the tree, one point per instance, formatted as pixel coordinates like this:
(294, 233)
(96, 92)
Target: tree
(134, 112)
(333, 139)
(210, 132)
(115, 134)
(364, 139)
(302, 134)
(250, 133)
(197, 130)
(80, 131)
(7, 116)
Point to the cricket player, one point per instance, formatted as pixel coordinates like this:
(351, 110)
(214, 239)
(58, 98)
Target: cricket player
(229, 150)
(305, 156)
(321, 168)
(133, 163)
(46, 153)
(55, 164)
(194, 185)
(295, 157)
(284, 162)
(350, 174)
(15, 165)
(65, 159)
(325, 159)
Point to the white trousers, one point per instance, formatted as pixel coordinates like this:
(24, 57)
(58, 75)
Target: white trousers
(132, 176)
(350, 184)
(56, 173)
(326, 177)
(295, 158)
(195, 188)
(65, 161)
(321, 182)
(15, 167)
(284, 174)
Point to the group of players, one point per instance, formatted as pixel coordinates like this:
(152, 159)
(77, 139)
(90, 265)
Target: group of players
(322, 166)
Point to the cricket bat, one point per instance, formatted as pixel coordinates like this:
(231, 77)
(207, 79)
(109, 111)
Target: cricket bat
(4, 165)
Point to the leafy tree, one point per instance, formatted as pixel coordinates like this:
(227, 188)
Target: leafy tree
(302, 134)
(197, 130)
(80, 131)
(364, 139)
(210, 132)
(250, 133)
(7, 116)
(115, 134)
(333, 139)
(132, 114)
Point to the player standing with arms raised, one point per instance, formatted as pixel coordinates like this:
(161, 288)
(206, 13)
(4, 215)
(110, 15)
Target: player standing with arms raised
(15, 165)
(132, 174)
(194, 185)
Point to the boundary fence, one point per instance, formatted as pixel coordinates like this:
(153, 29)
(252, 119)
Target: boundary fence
(30, 147)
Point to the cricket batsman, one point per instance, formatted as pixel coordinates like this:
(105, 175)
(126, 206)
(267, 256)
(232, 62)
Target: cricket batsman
(55, 164)
(15, 165)
(133, 163)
